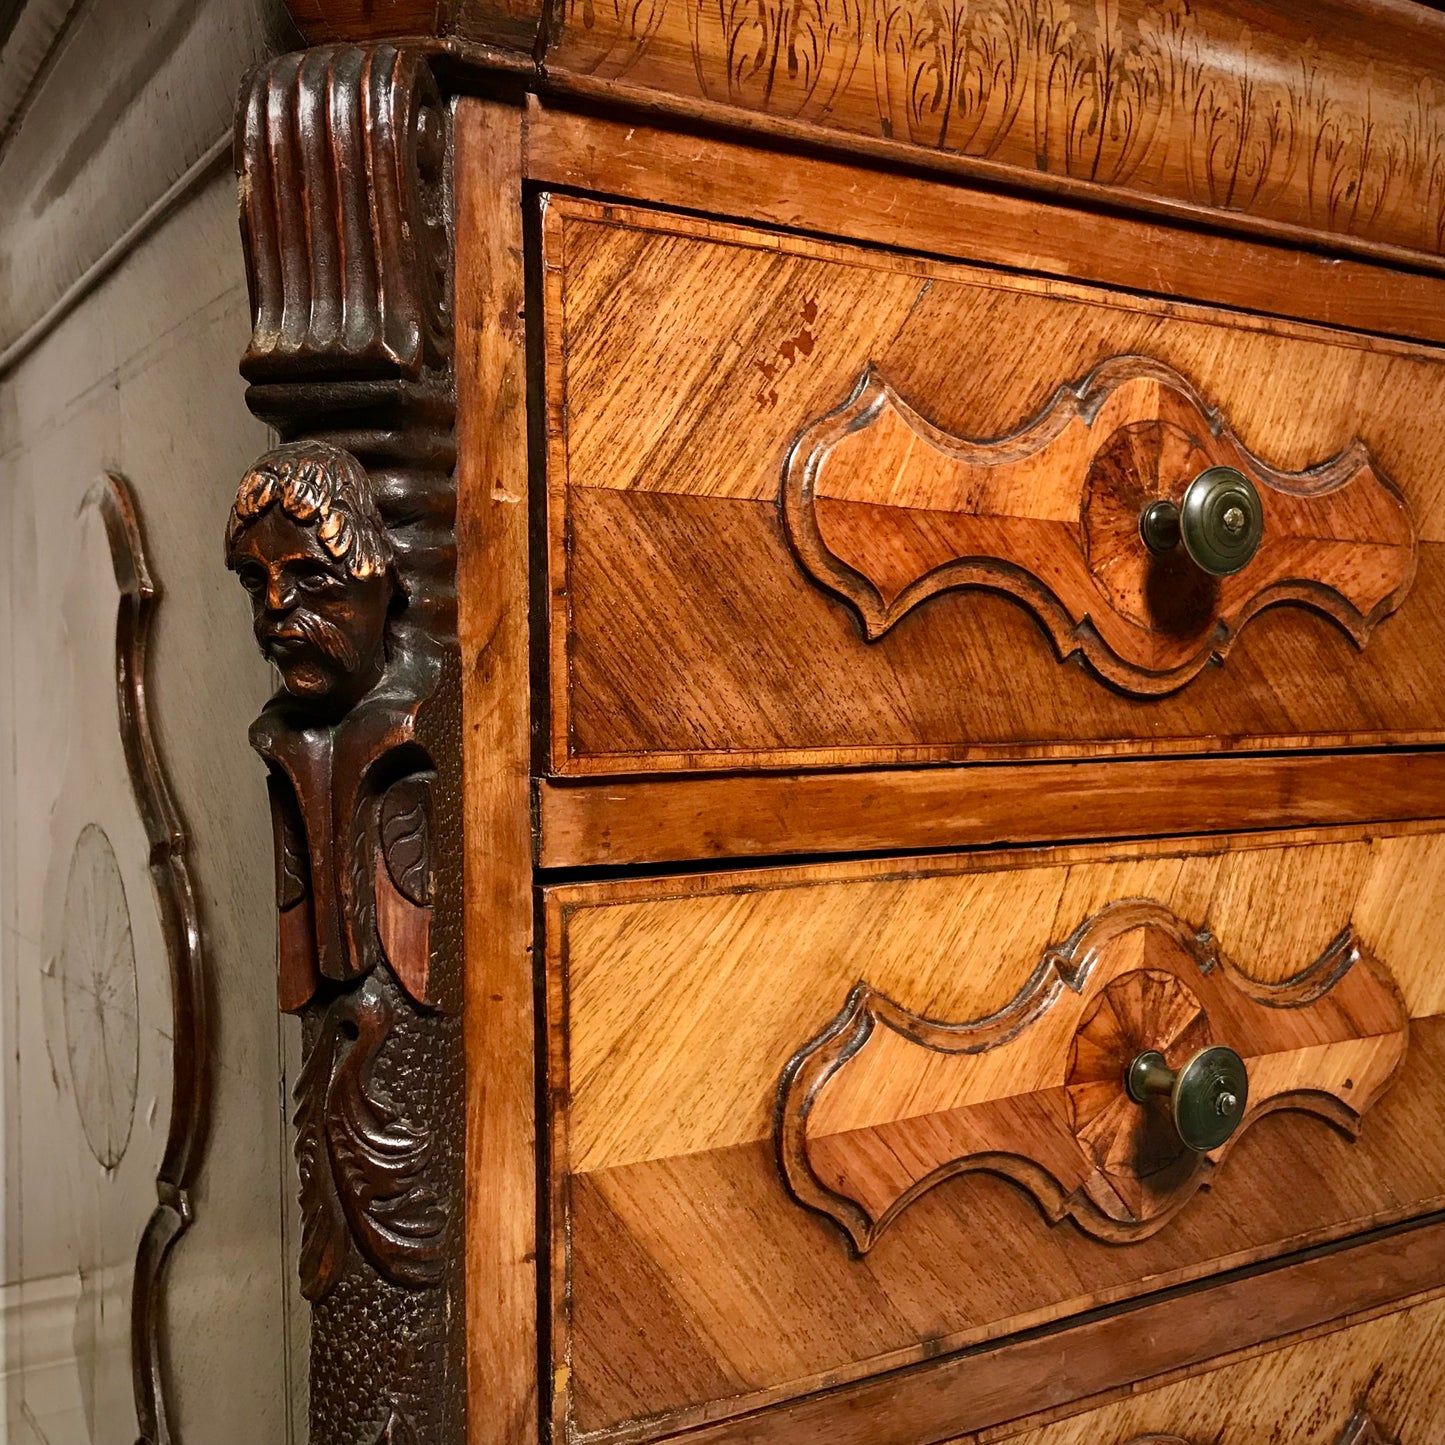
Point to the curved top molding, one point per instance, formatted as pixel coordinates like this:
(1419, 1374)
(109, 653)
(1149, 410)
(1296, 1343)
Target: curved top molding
(1320, 120)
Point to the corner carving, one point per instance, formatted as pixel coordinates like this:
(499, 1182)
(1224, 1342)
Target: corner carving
(884, 1105)
(886, 511)
(342, 537)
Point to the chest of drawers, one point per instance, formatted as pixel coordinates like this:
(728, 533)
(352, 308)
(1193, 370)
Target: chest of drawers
(857, 780)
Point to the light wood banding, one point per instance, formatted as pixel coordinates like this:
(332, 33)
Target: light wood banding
(588, 824)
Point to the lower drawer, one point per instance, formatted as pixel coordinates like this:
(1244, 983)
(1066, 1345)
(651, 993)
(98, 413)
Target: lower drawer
(812, 1125)
(1377, 1383)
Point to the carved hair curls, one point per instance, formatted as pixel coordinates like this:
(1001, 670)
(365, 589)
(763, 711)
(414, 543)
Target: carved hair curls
(321, 486)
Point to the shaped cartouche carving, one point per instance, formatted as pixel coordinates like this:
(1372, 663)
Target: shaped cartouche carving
(884, 1104)
(886, 510)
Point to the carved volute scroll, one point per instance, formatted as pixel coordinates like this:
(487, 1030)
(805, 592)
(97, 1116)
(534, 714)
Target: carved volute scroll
(886, 511)
(343, 537)
(884, 1105)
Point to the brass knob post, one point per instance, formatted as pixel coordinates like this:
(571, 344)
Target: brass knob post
(1220, 522)
(1207, 1097)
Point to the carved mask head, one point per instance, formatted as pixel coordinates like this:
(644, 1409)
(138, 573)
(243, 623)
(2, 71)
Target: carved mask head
(309, 545)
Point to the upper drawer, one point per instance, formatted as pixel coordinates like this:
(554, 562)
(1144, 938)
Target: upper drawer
(812, 504)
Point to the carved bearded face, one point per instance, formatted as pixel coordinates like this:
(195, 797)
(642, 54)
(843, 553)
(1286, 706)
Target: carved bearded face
(308, 544)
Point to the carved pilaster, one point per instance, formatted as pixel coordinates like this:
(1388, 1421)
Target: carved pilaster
(343, 536)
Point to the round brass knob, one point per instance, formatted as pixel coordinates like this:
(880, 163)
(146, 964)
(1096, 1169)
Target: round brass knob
(1207, 1097)
(1220, 522)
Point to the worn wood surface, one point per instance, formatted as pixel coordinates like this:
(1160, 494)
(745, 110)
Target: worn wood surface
(675, 1006)
(1116, 1354)
(492, 584)
(1270, 115)
(891, 206)
(1315, 117)
(685, 358)
(583, 824)
(1373, 1384)
(343, 537)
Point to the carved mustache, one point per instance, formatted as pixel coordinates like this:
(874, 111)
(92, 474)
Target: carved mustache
(277, 638)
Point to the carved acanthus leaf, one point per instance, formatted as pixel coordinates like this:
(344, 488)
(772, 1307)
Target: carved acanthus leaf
(363, 1165)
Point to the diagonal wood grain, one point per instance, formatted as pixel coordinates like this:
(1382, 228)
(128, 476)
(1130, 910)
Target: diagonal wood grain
(674, 1005)
(685, 357)
(885, 1104)
(886, 510)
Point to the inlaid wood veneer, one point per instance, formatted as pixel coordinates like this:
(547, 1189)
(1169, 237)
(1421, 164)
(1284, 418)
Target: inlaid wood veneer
(887, 511)
(885, 1104)
(675, 1006)
(1356, 1386)
(689, 368)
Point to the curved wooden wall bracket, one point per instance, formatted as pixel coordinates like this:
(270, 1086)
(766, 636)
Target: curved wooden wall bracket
(344, 538)
(886, 510)
(884, 1104)
(139, 594)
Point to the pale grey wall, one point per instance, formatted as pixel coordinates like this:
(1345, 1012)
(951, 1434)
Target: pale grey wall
(141, 379)
(138, 376)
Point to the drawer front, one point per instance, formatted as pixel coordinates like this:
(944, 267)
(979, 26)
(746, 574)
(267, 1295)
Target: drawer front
(1377, 1383)
(882, 1109)
(814, 504)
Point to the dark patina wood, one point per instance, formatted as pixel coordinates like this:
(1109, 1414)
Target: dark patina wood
(343, 536)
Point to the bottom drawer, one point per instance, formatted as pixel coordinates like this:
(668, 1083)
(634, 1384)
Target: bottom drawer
(1377, 1383)
(814, 1125)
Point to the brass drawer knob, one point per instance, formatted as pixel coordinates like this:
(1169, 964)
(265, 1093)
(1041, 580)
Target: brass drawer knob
(1220, 522)
(1207, 1097)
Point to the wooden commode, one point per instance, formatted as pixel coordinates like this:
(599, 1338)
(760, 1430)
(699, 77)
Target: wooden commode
(858, 780)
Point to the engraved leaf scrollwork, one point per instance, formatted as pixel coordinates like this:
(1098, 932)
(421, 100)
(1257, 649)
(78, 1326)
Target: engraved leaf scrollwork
(789, 57)
(1188, 103)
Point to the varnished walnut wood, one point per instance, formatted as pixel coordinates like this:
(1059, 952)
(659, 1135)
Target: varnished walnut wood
(999, 1389)
(675, 1006)
(591, 824)
(1357, 1386)
(685, 358)
(676, 360)
(492, 553)
(893, 207)
(343, 537)
(885, 1104)
(1265, 115)
(1360, 1429)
